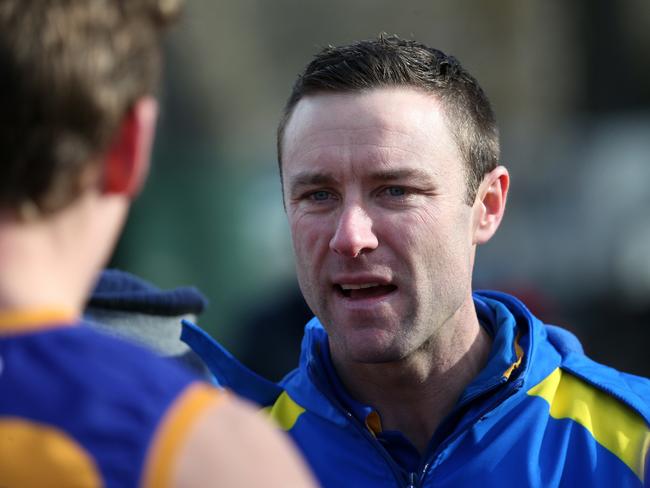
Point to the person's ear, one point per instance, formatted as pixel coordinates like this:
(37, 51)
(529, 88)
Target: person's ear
(490, 204)
(126, 163)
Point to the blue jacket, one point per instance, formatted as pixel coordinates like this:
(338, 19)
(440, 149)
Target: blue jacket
(540, 414)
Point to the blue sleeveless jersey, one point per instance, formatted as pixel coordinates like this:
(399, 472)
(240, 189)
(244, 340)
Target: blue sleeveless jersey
(78, 408)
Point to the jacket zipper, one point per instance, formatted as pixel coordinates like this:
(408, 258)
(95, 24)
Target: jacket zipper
(514, 388)
(395, 469)
(414, 480)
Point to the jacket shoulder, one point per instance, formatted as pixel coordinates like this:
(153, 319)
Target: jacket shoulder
(632, 390)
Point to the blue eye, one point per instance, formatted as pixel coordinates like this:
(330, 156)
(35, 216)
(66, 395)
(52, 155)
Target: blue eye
(396, 191)
(320, 196)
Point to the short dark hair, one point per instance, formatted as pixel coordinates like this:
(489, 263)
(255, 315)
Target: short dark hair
(70, 70)
(390, 61)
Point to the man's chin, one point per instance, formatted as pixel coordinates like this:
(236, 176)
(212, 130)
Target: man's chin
(368, 348)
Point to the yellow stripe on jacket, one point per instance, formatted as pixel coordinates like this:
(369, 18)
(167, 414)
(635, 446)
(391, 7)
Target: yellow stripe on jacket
(612, 424)
(284, 412)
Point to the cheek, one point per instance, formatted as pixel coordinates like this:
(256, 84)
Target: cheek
(418, 234)
(434, 241)
(309, 237)
(310, 250)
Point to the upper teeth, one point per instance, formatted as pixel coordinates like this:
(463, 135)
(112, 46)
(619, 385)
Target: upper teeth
(358, 287)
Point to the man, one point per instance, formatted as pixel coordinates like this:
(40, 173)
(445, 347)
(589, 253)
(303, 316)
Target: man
(79, 408)
(389, 159)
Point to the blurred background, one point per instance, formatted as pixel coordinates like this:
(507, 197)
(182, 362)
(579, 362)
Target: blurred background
(570, 83)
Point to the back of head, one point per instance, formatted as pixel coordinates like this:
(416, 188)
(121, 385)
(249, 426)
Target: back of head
(72, 76)
(389, 61)
(69, 72)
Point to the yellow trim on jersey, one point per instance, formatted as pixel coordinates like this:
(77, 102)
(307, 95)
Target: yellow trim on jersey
(19, 321)
(284, 412)
(613, 424)
(37, 455)
(172, 430)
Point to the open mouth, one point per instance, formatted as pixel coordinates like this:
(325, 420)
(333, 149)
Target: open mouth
(366, 290)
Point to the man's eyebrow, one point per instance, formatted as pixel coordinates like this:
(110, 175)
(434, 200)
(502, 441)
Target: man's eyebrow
(310, 178)
(402, 174)
(317, 178)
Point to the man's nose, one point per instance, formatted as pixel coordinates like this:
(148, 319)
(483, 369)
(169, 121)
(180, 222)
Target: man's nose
(354, 233)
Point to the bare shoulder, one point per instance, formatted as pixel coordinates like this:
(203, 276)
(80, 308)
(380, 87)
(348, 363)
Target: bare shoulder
(232, 444)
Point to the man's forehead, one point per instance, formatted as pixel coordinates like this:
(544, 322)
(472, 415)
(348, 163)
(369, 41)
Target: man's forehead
(385, 126)
(392, 116)
(383, 106)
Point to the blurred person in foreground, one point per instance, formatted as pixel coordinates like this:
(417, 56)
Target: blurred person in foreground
(389, 159)
(79, 408)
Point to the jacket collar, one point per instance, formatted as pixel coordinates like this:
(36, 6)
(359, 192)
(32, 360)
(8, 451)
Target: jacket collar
(308, 388)
(516, 333)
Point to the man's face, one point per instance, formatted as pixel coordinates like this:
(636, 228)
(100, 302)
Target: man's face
(374, 187)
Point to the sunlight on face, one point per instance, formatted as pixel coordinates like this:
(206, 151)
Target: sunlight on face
(375, 195)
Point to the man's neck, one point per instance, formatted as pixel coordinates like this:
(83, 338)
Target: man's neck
(37, 273)
(414, 395)
(50, 262)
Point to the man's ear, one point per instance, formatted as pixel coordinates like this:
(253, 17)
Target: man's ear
(490, 204)
(126, 163)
